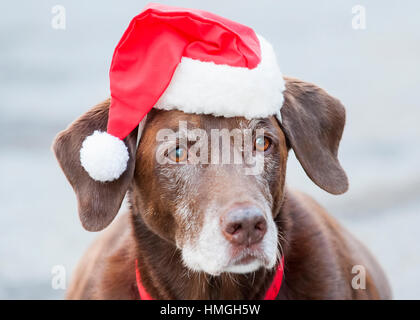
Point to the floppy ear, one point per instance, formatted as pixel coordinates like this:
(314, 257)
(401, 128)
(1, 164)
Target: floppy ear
(313, 122)
(98, 202)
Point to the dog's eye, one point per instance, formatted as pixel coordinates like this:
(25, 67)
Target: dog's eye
(262, 143)
(178, 154)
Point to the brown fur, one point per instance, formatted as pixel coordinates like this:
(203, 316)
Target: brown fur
(319, 253)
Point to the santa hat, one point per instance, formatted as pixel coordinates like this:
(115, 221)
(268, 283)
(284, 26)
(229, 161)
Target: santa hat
(184, 59)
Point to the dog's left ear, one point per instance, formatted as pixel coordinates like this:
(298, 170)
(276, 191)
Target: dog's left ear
(313, 122)
(98, 202)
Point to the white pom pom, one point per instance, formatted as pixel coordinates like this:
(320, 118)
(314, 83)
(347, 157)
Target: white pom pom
(104, 156)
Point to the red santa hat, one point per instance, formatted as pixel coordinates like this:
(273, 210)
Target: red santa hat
(184, 59)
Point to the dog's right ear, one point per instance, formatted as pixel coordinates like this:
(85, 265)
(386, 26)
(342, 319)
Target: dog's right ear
(98, 202)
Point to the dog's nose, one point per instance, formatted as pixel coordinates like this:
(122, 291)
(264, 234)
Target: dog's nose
(244, 225)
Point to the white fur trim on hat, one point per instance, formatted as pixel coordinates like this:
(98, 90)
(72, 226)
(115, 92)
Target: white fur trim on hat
(104, 156)
(222, 90)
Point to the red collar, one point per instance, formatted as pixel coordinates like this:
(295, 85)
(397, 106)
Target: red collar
(271, 293)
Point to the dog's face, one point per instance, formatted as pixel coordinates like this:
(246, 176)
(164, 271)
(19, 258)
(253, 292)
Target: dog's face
(219, 211)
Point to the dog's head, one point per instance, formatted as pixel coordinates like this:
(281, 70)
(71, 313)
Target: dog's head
(219, 213)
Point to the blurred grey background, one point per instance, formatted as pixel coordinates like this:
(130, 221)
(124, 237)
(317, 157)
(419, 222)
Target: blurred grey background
(49, 77)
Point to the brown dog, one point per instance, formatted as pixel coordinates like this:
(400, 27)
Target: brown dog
(211, 232)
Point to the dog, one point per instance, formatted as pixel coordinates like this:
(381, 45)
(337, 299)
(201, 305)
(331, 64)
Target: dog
(210, 231)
